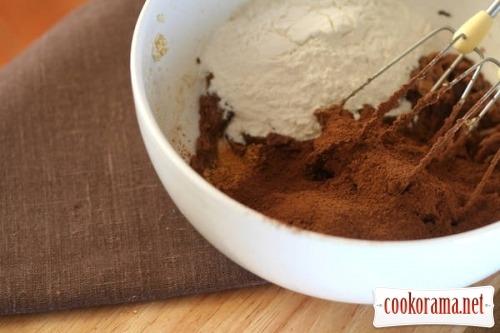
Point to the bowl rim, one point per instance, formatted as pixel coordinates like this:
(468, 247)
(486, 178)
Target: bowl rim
(145, 113)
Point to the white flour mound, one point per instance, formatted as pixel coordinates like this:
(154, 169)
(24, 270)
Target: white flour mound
(277, 61)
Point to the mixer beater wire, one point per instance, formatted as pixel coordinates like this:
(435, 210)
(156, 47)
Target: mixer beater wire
(465, 40)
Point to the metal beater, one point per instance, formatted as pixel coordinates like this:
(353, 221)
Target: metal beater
(465, 40)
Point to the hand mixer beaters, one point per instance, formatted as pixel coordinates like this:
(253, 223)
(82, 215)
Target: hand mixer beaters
(465, 40)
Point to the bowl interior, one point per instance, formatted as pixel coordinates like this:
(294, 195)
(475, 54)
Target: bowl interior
(173, 84)
(169, 37)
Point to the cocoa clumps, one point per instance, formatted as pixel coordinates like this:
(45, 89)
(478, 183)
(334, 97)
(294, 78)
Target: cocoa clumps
(372, 178)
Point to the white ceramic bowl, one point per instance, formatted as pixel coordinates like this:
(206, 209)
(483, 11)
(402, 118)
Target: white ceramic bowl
(166, 91)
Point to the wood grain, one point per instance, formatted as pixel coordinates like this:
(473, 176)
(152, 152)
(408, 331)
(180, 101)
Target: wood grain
(260, 309)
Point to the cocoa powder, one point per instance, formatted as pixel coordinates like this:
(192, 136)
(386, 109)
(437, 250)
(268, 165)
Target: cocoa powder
(373, 178)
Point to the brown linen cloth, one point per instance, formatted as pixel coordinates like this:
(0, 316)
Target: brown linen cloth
(84, 220)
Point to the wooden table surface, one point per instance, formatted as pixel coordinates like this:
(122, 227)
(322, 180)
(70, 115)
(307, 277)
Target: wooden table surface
(22, 21)
(260, 309)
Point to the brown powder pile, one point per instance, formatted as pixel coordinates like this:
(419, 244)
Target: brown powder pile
(365, 179)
